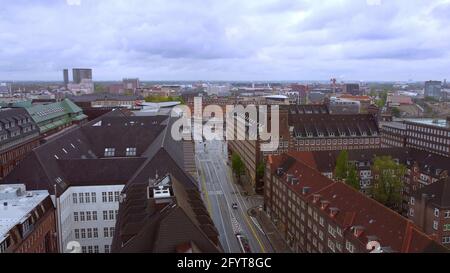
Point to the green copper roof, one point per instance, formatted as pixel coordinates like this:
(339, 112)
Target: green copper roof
(45, 112)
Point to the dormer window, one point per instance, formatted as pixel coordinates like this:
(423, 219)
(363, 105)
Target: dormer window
(110, 152)
(131, 152)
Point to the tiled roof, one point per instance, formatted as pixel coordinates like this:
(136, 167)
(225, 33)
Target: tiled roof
(354, 209)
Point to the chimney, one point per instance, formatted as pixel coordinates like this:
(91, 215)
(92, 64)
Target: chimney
(160, 194)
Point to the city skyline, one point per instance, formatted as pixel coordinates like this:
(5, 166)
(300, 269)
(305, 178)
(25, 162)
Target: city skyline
(367, 40)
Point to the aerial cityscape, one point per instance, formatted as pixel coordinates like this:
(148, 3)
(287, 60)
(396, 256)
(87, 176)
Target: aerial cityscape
(244, 127)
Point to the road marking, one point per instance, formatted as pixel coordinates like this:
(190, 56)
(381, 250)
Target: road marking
(205, 190)
(246, 215)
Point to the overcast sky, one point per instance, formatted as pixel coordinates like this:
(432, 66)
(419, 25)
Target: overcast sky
(226, 39)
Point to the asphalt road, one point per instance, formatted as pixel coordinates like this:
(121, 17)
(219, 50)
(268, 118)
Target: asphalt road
(219, 193)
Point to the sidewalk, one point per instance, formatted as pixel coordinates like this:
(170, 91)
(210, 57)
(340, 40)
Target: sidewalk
(277, 242)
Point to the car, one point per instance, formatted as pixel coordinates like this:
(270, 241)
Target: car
(234, 206)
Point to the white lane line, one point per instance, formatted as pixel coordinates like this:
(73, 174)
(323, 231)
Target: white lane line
(220, 214)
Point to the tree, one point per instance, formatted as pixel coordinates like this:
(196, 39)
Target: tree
(395, 112)
(340, 171)
(353, 178)
(237, 165)
(388, 181)
(98, 88)
(260, 169)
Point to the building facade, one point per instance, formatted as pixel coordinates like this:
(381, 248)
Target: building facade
(27, 221)
(80, 74)
(316, 215)
(433, 89)
(19, 134)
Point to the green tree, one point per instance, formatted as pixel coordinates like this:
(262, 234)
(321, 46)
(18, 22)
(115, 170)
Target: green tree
(352, 177)
(98, 88)
(260, 169)
(395, 112)
(237, 165)
(340, 171)
(388, 181)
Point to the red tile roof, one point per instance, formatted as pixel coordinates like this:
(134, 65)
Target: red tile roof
(354, 208)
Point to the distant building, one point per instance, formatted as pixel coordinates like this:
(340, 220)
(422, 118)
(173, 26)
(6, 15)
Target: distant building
(19, 135)
(27, 221)
(53, 117)
(66, 76)
(131, 85)
(433, 89)
(80, 74)
(393, 134)
(352, 89)
(341, 106)
(86, 86)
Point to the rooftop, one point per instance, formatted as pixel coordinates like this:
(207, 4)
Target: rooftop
(16, 203)
(430, 122)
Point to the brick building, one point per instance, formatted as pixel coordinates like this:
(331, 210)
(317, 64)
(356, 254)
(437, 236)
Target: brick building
(18, 136)
(27, 221)
(310, 128)
(317, 215)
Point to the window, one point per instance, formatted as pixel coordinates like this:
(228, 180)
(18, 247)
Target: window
(107, 248)
(83, 249)
(104, 197)
(109, 152)
(81, 197)
(88, 216)
(75, 216)
(82, 217)
(94, 197)
(83, 233)
(75, 199)
(447, 227)
(105, 215)
(111, 215)
(411, 212)
(446, 240)
(77, 234)
(116, 196)
(435, 225)
(350, 248)
(95, 232)
(131, 152)
(436, 212)
(412, 200)
(90, 249)
(105, 232)
(110, 197)
(447, 214)
(96, 249)
(89, 232)
(87, 197)
(111, 231)
(94, 216)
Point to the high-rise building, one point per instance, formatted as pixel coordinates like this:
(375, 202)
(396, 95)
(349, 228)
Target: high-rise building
(66, 76)
(81, 73)
(433, 89)
(131, 84)
(352, 88)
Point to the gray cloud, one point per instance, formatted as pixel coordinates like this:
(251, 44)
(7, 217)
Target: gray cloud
(198, 39)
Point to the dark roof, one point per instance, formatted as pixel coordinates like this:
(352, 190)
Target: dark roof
(104, 96)
(50, 163)
(438, 192)
(429, 163)
(327, 125)
(146, 226)
(14, 115)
